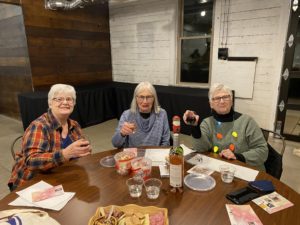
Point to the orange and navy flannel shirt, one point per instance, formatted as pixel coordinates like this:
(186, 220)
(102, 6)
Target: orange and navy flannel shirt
(41, 148)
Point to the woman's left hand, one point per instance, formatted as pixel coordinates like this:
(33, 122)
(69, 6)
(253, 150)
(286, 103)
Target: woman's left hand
(227, 154)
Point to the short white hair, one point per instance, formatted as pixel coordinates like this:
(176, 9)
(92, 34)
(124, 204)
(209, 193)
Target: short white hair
(145, 85)
(61, 88)
(218, 87)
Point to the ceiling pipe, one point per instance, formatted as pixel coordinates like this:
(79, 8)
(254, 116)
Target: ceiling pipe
(69, 5)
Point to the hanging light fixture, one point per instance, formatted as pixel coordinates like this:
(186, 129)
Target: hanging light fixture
(68, 5)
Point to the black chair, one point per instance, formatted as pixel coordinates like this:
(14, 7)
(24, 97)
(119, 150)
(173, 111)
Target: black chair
(16, 142)
(274, 161)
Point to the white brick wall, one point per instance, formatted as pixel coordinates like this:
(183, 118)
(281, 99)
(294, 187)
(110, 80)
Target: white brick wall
(255, 28)
(143, 35)
(143, 41)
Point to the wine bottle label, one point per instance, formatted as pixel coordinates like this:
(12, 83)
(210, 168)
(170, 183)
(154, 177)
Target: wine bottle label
(176, 175)
(176, 122)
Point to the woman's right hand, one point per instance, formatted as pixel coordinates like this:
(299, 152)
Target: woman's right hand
(127, 129)
(77, 149)
(190, 118)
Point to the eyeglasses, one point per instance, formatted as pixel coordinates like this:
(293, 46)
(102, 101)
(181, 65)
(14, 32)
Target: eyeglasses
(142, 98)
(225, 98)
(62, 99)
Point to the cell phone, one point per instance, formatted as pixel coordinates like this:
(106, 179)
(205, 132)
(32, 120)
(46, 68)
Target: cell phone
(242, 195)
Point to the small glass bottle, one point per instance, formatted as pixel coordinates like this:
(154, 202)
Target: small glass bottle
(176, 161)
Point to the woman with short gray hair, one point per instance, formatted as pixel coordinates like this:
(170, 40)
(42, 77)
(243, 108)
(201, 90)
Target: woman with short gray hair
(51, 139)
(145, 123)
(230, 134)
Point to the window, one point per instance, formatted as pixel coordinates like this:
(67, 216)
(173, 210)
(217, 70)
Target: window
(195, 40)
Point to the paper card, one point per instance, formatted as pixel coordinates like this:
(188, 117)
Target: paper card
(242, 214)
(164, 171)
(186, 150)
(272, 202)
(200, 170)
(158, 156)
(196, 159)
(47, 193)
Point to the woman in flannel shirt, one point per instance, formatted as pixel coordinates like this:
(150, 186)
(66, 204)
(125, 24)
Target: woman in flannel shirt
(51, 139)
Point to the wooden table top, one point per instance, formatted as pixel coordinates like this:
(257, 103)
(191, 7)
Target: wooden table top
(99, 186)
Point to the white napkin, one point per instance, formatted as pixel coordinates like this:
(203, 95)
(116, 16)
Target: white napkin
(54, 203)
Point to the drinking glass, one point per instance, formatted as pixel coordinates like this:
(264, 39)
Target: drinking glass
(133, 126)
(85, 137)
(135, 187)
(227, 173)
(152, 186)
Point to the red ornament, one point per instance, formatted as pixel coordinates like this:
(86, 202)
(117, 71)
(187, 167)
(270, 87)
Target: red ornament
(231, 147)
(219, 136)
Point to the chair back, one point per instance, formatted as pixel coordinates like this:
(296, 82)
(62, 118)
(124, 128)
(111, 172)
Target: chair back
(276, 147)
(274, 163)
(15, 144)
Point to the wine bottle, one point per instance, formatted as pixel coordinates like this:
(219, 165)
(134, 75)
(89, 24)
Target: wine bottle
(176, 161)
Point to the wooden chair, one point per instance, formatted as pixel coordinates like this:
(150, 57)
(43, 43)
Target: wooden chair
(276, 149)
(15, 143)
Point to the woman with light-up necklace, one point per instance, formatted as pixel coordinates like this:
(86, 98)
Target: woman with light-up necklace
(228, 133)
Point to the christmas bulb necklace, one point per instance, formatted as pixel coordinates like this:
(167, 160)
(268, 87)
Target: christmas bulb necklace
(219, 121)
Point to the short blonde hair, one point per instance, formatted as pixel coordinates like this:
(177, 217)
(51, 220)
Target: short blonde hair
(218, 87)
(61, 88)
(145, 85)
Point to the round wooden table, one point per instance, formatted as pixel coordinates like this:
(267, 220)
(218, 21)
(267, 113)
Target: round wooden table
(101, 186)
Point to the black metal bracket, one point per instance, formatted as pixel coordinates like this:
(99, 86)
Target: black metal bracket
(242, 58)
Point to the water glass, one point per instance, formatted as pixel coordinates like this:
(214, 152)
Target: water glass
(227, 173)
(135, 187)
(152, 187)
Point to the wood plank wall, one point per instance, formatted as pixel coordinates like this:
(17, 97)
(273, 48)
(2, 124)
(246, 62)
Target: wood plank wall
(67, 46)
(16, 2)
(15, 75)
(40, 47)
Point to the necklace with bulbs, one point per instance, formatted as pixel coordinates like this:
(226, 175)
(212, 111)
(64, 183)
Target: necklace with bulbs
(220, 133)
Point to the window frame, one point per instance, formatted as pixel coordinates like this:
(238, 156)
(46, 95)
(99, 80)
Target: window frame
(180, 38)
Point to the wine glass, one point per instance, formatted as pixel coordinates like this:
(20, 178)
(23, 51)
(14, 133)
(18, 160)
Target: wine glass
(86, 138)
(132, 125)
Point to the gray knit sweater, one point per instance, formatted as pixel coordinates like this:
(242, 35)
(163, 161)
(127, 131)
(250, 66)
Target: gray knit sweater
(249, 140)
(152, 131)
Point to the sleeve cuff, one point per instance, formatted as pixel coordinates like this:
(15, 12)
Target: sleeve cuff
(240, 157)
(58, 157)
(196, 131)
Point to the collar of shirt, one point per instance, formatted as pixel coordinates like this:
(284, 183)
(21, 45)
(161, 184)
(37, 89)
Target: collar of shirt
(56, 125)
